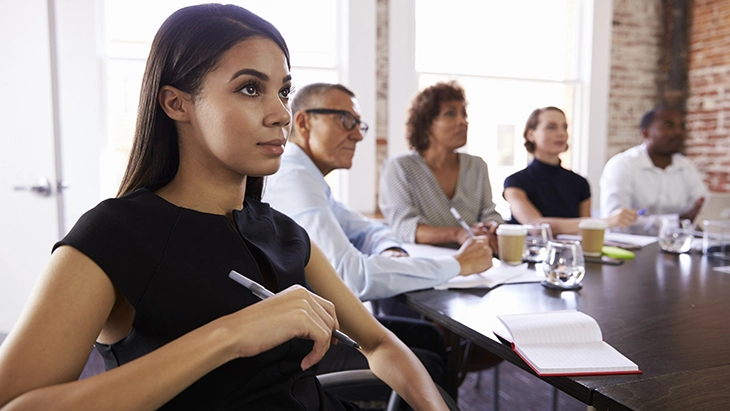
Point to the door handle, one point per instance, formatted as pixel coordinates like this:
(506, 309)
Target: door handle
(42, 188)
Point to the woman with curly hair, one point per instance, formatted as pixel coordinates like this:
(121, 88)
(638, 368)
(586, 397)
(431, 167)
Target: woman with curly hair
(417, 190)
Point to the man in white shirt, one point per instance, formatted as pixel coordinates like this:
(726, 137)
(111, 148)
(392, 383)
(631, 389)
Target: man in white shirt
(654, 177)
(326, 128)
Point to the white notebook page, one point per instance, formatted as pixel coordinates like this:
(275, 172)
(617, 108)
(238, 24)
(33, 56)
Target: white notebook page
(551, 327)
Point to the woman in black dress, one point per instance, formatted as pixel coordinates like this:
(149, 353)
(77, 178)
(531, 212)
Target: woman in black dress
(545, 192)
(145, 275)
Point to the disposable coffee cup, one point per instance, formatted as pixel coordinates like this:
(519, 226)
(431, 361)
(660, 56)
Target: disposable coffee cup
(592, 231)
(511, 240)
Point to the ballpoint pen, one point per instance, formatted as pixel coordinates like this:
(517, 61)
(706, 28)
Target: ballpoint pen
(462, 223)
(641, 211)
(260, 291)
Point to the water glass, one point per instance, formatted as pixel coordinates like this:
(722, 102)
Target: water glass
(564, 266)
(536, 242)
(675, 236)
(716, 238)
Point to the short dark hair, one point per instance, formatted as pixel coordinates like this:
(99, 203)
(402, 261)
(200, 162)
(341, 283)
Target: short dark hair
(188, 45)
(425, 108)
(532, 121)
(648, 117)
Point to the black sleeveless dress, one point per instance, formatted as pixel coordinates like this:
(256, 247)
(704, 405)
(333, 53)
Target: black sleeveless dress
(172, 265)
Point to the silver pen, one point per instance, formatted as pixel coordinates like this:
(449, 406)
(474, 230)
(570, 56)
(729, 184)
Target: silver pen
(462, 223)
(260, 291)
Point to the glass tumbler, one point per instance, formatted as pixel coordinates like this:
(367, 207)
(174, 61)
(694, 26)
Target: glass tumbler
(675, 236)
(536, 242)
(564, 266)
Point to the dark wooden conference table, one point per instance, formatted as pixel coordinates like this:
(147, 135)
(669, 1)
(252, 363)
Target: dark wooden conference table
(668, 313)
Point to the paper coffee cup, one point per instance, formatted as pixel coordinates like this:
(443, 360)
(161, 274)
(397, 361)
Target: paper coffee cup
(511, 240)
(592, 231)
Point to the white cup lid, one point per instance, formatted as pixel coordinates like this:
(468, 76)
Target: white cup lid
(511, 229)
(593, 224)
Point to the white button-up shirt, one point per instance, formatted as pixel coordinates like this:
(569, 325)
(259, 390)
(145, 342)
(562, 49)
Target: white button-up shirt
(631, 180)
(351, 241)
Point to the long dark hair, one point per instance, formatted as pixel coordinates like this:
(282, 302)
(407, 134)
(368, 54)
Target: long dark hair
(188, 45)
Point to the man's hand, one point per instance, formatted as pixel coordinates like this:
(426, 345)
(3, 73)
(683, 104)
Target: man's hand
(692, 212)
(474, 256)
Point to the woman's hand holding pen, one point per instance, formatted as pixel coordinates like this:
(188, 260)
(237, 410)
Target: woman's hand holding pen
(474, 256)
(488, 229)
(292, 313)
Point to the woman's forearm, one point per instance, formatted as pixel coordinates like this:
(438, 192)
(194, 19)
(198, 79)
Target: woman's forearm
(143, 384)
(408, 378)
(426, 234)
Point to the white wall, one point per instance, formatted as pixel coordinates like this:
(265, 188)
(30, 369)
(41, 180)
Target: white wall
(596, 72)
(358, 73)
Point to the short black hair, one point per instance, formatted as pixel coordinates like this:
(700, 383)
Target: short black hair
(648, 117)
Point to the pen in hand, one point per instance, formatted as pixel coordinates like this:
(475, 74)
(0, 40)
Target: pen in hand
(462, 223)
(259, 291)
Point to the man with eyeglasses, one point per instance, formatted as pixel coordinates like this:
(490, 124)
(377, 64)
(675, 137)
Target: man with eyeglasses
(325, 131)
(326, 128)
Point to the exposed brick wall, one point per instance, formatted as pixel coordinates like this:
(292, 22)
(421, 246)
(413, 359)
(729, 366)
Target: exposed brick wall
(708, 104)
(638, 79)
(636, 54)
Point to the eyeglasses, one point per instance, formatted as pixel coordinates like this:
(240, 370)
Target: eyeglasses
(349, 121)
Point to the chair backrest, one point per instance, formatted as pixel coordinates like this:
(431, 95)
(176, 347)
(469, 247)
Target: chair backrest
(353, 378)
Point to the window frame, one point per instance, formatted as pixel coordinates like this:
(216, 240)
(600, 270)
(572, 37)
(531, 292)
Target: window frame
(591, 113)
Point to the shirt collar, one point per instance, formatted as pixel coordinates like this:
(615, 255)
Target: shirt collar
(297, 154)
(646, 163)
(294, 151)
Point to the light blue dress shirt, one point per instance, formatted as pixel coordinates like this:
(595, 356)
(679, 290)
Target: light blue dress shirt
(351, 241)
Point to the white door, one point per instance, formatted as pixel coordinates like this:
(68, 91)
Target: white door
(28, 221)
(33, 146)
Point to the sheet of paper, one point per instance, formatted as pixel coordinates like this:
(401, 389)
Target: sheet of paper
(498, 274)
(426, 250)
(642, 240)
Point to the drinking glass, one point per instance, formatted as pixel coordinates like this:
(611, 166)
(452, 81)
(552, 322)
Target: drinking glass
(675, 236)
(536, 242)
(716, 238)
(564, 266)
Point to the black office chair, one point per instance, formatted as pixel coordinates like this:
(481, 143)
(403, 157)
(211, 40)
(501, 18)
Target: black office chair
(356, 378)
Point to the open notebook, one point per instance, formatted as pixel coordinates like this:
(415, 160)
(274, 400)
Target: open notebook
(564, 342)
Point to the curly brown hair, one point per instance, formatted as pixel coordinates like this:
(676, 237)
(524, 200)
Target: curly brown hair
(425, 108)
(532, 123)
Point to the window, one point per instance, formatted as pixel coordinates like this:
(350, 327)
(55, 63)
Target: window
(510, 57)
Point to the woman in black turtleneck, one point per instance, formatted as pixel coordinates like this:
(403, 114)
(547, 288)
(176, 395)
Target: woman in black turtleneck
(545, 192)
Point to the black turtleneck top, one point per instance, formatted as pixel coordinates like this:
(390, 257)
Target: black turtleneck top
(553, 190)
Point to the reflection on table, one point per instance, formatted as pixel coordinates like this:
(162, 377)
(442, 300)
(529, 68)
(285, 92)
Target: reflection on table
(668, 313)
